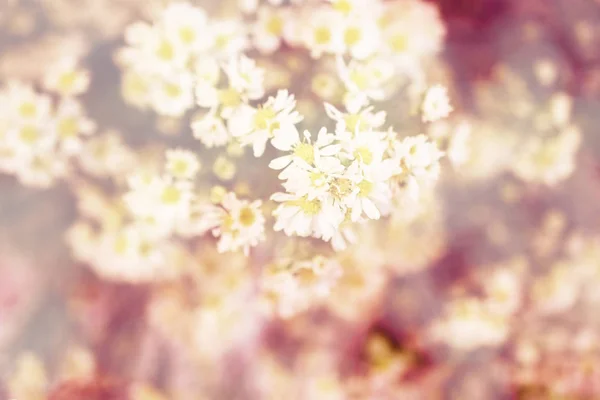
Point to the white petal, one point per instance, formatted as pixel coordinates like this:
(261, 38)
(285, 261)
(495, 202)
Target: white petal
(280, 162)
(285, 138)
(370, 210)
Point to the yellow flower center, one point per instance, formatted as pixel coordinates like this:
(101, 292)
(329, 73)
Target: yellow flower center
(27, 110)
(247, 216)
(187, 35)
(308, 207)
(340, 188)
(29, 134)
(263, 117)
(322, 35)
(343, 6)
(359, 79)
(68, 127)
(171, 195)
(165, 51)
(353, 121)
(365, 188)
(221, 41)
(67, 80)
(229, 97)
(399, 43)
(172, 90)
(180, 168)
(121, 244)
(317, 178)
(365, 154)
(305, 151)
(352, 36)
(275, 26)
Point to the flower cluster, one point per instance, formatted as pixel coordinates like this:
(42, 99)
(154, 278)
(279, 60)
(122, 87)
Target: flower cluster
(291, 286)
(180, 54)
(349, 176)
(38, 138)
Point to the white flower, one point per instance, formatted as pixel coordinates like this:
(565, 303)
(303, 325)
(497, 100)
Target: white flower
(182, 164)
(210, 130)
(151, 50)
(245, 77)
(412, 29)
(186, 25)
(304, 153)
(350, 122)
(230, 38)
(159, 203)
(66, 79)
(268, 29)
(372, 195)
(172, 96)
(322, 32)
(25, 105)
(70, 124)
(361, 36)
(364, 80)
(276, 120)
(297, 215)
(239, 224)
(436, 104)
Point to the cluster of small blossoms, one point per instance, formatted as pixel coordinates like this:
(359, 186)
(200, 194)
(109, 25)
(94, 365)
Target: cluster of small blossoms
(381, 39)
(291, 286)
(472, 322)
(38, 135)
(180, 54)
(349, 176)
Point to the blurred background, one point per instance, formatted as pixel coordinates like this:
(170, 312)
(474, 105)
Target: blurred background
(513, 69)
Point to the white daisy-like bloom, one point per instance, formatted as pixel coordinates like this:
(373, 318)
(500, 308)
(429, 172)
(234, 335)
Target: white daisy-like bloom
(66, 78)
(182, 164)
(548, 160)
(131, 254)
(436, 104)
(30, 138)
(275, 120)
(418, 157)
(468, 324)
(25, 104)
(160, 203)
(372, 195)
(210, 130)
(135, 88)
(230, 38)
(268, 29)
(412, 29)
(350, 122)
(364, 81)
(172, 95)
(361, 36)
(322, 32)
(42, 169)
(152, 51)
(305, 153)
(70, 124)
(106, 155)
(187, 26)
(297, 215)
(207, 73)
(245, 77)
(245, 83)
(239, 224)
(290, 287)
